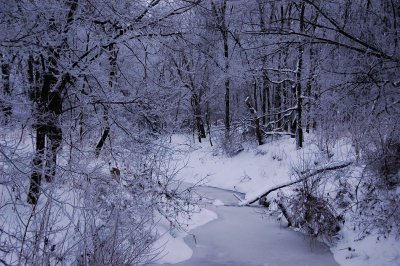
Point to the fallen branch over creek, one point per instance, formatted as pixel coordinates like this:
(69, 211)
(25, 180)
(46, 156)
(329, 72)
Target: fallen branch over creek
(304, 178)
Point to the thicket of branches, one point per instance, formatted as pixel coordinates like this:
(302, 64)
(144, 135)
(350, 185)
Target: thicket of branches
(85, 173)
(89, 87)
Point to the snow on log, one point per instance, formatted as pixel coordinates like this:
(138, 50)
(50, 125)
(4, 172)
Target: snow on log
(313, 173)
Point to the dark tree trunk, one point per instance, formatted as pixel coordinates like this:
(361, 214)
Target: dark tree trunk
(265, 92)
(43, 76)
(112, 59)
(102, 140)
(299, 129)
(208, 118)
(265, 85)
(220, 15)
(6, 108)
(285, 104)
(309, 89)
(278, 105)
(256, 121)
(37, 165)
(52, 108)
(48, 108)
(266, 100)
(54, 135)
(255, 95)
(310, 83)
(195, 101)
(43, 118)
(227, 85)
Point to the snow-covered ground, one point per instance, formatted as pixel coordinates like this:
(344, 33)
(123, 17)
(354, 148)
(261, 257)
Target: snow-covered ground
(372, 250)
(249, 172)
(171, 244)
(252, 171)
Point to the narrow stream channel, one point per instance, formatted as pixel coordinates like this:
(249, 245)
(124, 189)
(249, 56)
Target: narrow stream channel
(242, 236)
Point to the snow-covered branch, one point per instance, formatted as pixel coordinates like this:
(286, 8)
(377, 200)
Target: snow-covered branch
(304, 178)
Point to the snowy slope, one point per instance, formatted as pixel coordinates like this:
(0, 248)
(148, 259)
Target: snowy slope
(250, 172)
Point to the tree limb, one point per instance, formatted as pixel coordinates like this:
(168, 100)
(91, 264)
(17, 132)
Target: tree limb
(313, 173)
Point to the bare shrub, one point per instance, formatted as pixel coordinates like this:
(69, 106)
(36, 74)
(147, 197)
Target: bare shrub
(230, 143)
(377, 190)
(311, 212)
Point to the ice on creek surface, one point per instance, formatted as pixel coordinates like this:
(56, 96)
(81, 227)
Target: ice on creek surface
(218, 202)
(242, 236)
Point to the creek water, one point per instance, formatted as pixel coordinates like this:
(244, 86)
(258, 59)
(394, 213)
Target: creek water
(243, 236)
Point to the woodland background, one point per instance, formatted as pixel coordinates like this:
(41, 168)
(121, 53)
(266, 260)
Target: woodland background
(93, 87)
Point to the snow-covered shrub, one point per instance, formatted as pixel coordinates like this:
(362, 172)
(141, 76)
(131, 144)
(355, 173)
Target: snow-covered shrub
(378, 211)
(317, 204)
(378, 189)
(230, 143)
(117, 222)
(384, 163)
(87, 215)
(313, 213)
(379, 195)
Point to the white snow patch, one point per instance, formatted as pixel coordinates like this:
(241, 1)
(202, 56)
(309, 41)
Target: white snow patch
(370, 251)
(218, 202)
(171, 243)
(251, 171)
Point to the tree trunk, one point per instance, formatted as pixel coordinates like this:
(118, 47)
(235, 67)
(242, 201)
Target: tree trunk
(112, 59)
(47, 110)
(208, 118)
(256, 121)
(299, 129)
(6, 108)
(220, 15)
(309, 89)
(45, 92)
(265, 93)
(54, 135)
(278, 106)
(201, 133)
(227, 85)
(37, 165)
(310, 82)
(102, 140)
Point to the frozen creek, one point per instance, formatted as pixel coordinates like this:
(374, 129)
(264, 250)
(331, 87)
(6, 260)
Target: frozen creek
(241, 236)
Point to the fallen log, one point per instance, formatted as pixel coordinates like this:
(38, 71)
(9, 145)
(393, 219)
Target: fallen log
(313, 173)
(282, 207)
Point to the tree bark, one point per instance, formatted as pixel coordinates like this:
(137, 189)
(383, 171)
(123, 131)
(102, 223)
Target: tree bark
(102, 140)
(299, 129)
(227, 83)
(46, 88)
(256, 121)
(220, 15)
(37, 165)
(6, 108)
(208, 118)
(48, 107)
(112, 59)
(201, 133)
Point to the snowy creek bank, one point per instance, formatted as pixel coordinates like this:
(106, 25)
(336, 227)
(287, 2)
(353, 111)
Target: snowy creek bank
(242, 236)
